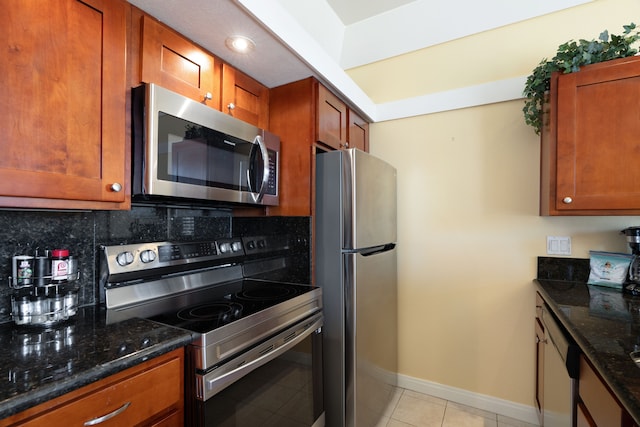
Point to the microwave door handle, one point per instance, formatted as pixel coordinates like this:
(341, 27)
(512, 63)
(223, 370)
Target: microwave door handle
(265, 172)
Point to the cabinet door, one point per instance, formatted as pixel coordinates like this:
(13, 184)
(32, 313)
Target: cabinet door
(331, 126)
(177, 64)
(63, 104)
(150, 394)
(582, 417)
(597, 137)
(539, 390)
(358, 132)
(244, 98)
(598, 403)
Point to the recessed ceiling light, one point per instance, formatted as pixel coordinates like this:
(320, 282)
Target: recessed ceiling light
(240, 44)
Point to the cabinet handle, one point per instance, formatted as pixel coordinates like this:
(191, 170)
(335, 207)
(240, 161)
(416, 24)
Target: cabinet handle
(208, 96)
(116, 187)
(567, 200)
(231, 106)
(108, 416)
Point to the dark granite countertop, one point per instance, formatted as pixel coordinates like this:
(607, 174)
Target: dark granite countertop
(605, 323)
(39, 364)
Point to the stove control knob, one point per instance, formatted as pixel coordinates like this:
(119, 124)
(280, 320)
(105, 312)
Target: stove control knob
(225, 247)
(236, 247)
(124, 258)
(147, 256)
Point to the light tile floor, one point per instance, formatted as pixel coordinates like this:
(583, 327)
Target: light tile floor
(412, 409)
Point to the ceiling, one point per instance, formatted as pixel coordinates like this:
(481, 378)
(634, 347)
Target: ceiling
(296, 39)
(352, 11)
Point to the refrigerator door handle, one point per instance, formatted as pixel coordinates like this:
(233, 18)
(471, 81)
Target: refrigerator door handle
(375, 249)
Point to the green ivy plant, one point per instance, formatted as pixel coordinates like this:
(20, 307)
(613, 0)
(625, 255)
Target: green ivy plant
(569, 58)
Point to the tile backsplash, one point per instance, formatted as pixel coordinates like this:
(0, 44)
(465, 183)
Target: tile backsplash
(83, 232)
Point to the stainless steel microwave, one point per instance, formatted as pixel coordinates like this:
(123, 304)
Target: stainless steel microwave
(185, 149)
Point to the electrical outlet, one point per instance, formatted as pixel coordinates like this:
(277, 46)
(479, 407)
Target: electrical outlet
(558, 245)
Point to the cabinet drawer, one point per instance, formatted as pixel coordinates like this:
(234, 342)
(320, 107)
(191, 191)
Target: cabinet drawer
(152, 396)
(598, 400)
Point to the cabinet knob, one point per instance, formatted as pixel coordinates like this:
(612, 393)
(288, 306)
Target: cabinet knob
(231, 106)
(116, 187)
(567, 200)
(208, 96)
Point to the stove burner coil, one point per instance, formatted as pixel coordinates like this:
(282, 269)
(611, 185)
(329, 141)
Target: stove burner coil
(266, 293)
(220, 311)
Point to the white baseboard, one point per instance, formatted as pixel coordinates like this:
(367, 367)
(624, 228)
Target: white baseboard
(479, 401)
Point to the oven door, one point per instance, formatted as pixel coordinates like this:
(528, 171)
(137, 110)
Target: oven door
(278, 382)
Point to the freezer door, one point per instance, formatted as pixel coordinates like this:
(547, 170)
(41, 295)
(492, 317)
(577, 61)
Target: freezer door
(369, 200)
(371, 335)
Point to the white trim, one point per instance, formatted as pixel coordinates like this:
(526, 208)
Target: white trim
(471, 96)
(420, 24)
(280, 22)
(507, 408)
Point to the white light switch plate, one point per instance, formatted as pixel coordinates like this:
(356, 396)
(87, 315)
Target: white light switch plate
(558, 245)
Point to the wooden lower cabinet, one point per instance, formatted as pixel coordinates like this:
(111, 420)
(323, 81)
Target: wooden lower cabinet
(540, 343)
(597, 406)
(150, 394)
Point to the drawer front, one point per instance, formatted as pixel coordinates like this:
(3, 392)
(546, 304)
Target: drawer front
(599, 402)
(130, 401)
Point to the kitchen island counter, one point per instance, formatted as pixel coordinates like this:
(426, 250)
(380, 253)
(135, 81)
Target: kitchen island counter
(606, 326)
(39, 364)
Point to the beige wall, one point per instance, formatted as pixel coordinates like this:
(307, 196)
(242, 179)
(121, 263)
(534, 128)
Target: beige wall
(469, 231)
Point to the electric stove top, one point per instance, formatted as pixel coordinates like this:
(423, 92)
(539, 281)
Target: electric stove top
(210, 309)
(208, 288)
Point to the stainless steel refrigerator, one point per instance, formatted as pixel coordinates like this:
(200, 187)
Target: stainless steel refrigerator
(355, 250)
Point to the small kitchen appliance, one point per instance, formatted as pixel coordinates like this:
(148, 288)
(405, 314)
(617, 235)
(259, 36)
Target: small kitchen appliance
(255, 335)
(633, 239)
(184, 149)
(45, 288)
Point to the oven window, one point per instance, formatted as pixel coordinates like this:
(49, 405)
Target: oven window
(194, 154)
(286, 391)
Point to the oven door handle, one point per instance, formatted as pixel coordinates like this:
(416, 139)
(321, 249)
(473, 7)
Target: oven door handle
(266, 355)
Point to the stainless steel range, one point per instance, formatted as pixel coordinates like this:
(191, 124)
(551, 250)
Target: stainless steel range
(253, 338)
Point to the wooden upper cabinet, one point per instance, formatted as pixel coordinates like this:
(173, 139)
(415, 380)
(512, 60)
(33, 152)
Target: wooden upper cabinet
(292, 118)
(331, 119)
(337, 126)
(309, 118)
(175, 63)
(590, 142)
(63, 104)
(244, 98)
(358, 133)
